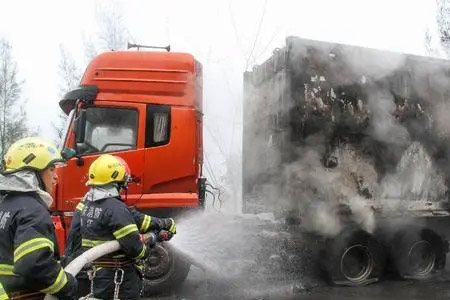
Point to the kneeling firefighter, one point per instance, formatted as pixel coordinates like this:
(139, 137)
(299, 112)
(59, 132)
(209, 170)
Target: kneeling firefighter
(102, 216)
(29, 266)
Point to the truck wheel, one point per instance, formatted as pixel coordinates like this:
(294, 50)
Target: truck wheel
(357, 263)
(163, 271)
(418, 253)
(353, 258)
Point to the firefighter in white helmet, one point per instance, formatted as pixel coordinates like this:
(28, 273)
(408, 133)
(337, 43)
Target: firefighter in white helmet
(28, 248)
(102, 216)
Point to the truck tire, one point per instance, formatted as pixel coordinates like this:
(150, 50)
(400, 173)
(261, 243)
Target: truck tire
(418, 253)
(163, 271)
(353, 258)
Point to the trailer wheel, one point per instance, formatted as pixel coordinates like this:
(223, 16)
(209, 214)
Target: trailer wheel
(354, 258)
(418, 253)
(357, 263)
(163, 271)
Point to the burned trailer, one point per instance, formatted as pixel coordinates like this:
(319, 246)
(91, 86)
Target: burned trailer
(352, 146)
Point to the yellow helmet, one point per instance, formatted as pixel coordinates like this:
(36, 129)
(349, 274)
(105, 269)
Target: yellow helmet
(107, 169)
(31, 153)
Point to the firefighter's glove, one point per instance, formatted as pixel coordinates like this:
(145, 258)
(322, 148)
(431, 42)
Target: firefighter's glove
(169, 225)
(150, 239)
(69, 290)
(165, 235)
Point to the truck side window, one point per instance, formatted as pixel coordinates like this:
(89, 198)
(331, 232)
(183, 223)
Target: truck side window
(158, 125)
(109, 129)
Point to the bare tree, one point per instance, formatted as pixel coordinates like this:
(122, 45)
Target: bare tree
(69, 72)
(12, 113)
(443, 22)
(90, 50)
(113, 34)
(427, 42)
(70, 76)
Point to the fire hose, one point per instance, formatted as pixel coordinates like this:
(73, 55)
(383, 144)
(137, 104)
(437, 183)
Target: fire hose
(91, 255)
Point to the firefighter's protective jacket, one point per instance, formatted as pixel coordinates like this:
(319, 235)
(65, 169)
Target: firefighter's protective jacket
(104, 217)
(28, 248)
(144, 223)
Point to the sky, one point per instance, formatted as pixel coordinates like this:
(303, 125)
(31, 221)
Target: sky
(227, 37)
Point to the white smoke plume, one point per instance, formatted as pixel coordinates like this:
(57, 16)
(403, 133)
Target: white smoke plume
(326, 175)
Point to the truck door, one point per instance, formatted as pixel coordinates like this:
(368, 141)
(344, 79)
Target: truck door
(110, 128)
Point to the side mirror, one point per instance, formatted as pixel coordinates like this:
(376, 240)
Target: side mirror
(80, 126)
(68, 153)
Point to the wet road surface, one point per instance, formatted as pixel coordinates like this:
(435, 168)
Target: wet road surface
(198, 287)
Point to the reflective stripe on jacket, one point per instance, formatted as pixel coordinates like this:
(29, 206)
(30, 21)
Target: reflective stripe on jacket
(28, 256)
(110, 219)
(144, 223)
(3, 294)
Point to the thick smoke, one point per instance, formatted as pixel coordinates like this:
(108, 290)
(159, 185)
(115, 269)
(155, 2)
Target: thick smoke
(441, 113)
(383, 126)
(415, 178)
(319, 193)
(330, 141)
(342, 132)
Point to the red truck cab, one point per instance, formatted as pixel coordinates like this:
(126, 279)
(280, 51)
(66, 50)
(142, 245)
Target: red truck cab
(145, 107)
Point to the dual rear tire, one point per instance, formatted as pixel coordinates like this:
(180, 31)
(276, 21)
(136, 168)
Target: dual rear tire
(357, 258)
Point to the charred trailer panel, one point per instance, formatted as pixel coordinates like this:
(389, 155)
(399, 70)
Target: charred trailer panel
(352, 142)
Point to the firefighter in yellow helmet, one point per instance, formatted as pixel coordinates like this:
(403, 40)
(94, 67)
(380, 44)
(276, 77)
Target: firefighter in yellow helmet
(102, 216)
(28, 248)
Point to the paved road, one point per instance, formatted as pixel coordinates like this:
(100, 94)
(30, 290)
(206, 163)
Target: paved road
(257, 285)
(197, 287)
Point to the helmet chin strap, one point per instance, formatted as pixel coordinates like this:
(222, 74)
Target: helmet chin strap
(123, 186)
(40, 181)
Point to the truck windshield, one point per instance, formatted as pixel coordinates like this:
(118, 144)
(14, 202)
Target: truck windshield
(109, 129)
